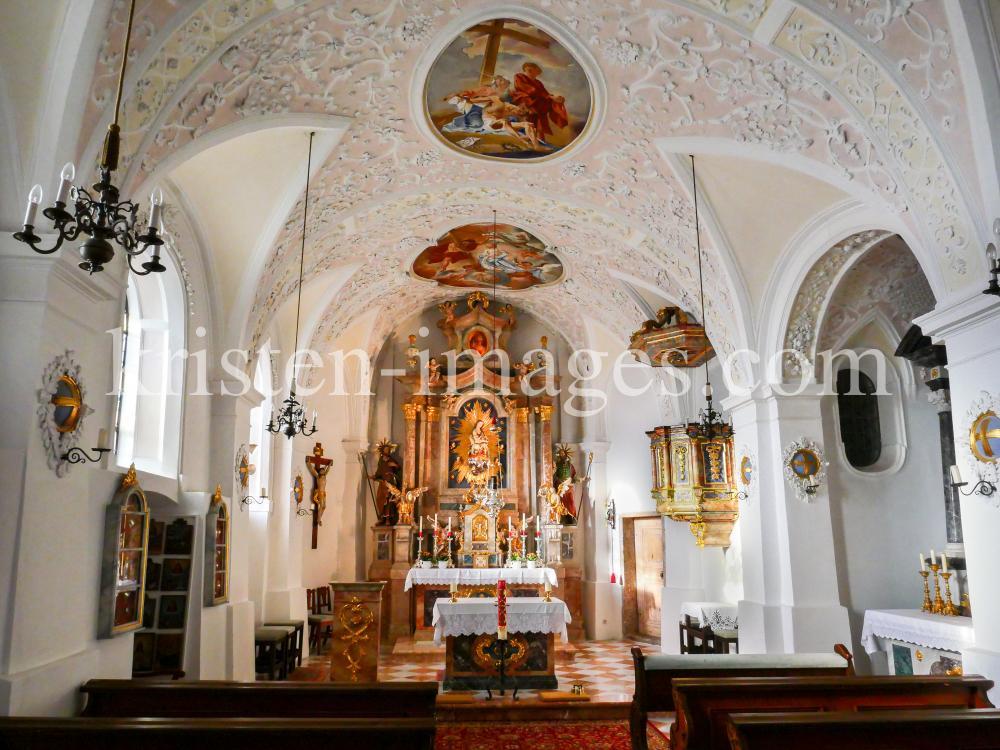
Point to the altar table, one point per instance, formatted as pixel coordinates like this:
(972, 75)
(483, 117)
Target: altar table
(470, 625)
(431, 584)
(915, 642)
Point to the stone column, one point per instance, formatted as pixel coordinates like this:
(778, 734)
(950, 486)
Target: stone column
(970, 327)
(940, 398)
(602, 600)
(410, 411)
(351, 529)
(432, 419)
(523, 467)
(545, 439)
(791, 600)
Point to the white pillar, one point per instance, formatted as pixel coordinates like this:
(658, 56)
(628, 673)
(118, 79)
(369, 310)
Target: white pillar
(970, 327)
(602, 600)
(352, 565)
(791, 599)
(286, 597)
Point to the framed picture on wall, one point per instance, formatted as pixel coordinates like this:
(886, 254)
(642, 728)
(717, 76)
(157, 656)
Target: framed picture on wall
(156, 537)
(149, 612)
(169, 651)
(176, 574)
(178, 538)
(142, 652)
(153, 575)
(172, 611)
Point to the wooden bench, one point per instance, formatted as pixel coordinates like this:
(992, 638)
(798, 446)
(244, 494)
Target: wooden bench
(975, 729)
(704, 705)
(215, 734)
(218, 699)
(655, 673)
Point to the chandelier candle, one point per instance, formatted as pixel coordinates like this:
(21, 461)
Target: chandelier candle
(501, 610)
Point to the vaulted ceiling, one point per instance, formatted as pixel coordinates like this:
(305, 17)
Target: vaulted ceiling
(797, 111)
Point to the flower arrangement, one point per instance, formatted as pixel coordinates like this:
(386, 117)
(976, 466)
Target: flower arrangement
(515, 557)
(426, 557)
(443, 560)
(531, 557)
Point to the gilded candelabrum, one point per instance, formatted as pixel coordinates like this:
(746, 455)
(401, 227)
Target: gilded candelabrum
(948, 608)
(938, 606)
(927, 593)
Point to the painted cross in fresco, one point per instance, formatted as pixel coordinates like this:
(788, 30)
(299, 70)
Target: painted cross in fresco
(805, 463)
(986, 437)
(497, 31)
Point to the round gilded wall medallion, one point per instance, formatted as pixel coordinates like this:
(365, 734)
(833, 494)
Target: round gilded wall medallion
(984, 437)
(746, 470)
(804, 463)
(506, 89)
(68, 401)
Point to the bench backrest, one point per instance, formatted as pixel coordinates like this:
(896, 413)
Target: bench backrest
(216, 734)
(655, 673)
(704, 705)
(135, 698)
(975, 729)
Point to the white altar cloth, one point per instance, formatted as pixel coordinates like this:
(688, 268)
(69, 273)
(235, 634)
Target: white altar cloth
(913, 626)
(473, 576)
(719, 615)
(476, 616)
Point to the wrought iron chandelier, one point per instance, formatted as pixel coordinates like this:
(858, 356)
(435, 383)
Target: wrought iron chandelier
(710, 425)
(292, 417)
(105, 217)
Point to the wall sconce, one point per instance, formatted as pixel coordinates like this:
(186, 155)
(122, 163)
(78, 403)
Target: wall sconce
(80, 456)
(991, 252)
(250, 500)
(982, 487)
(812, 484)
(300, 511)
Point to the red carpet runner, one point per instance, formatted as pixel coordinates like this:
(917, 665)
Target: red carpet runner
(551, 735)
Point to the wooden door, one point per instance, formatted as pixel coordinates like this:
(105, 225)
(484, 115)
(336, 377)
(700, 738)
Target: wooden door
(648, 573)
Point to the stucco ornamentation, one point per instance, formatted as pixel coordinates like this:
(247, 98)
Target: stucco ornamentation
(974, 470)
(799, 483)
(57, 443)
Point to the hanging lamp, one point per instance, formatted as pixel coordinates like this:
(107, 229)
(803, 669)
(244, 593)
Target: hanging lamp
(292, 417)
(105, 217)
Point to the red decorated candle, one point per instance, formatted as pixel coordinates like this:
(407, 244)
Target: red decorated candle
(502, 610)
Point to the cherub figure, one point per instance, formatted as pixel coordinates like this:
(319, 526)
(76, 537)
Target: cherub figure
(434, 368)
(407, 500)
(551, 501)
(448, 308)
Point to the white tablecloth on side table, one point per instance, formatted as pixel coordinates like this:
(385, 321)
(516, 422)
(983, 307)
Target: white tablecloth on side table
(718, 615)
(913, 626)
(474, 576)
(476, 616)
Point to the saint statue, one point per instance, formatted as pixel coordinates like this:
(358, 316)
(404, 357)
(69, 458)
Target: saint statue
(319, 467)
(388, 474)
(564, 470)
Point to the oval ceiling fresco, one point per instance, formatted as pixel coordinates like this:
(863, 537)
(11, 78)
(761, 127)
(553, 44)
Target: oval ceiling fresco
(473, 257)
(505, 89)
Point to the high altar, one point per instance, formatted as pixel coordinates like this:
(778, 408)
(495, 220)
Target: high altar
(470, 433)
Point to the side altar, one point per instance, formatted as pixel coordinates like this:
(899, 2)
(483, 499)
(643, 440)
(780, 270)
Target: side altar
(481, 481)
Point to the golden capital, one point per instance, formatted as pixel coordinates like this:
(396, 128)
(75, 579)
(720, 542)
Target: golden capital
(521, 414)
(545, 412)
(410, 410)
(433, 413)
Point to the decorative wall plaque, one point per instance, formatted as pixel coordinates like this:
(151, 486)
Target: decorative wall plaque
(801, 460)
(979, 452)
(61, 409)
(746, 474)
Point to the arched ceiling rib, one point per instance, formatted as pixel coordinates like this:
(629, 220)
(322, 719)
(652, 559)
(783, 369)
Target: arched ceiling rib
(848, 87)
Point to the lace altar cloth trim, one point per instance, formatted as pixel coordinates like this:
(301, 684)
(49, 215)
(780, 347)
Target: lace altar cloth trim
(719, 615)
(913, 626)
(479, 616)
(432, 576)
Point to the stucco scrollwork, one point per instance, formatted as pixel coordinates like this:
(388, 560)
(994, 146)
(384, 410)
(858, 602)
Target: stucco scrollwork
(794, 452)
(973, 469)
(57, 443)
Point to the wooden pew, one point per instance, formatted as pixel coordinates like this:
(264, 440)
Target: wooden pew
(969, 729)
(704, 705)
(217, 699)
(215, 734)
(655, 673)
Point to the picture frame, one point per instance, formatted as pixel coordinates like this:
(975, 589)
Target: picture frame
(176, 574)
(143, 650)
(156, 530)
(149, 613)
(153, 573)
(173, 609)
(169, 651)
(178, 538)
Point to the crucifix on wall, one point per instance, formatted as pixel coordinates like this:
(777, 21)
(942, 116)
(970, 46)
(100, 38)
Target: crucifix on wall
(496, 31)
(319, 467)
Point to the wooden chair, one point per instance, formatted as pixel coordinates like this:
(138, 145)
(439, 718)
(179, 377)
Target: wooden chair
(299, 626)
(968, 729)
(704, 704)
(271, 652)
(219, 699)
(38, 733)
(320, 620)
(654, 675)
(695, 638)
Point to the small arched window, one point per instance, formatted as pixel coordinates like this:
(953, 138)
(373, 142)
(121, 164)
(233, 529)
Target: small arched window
(860, 430)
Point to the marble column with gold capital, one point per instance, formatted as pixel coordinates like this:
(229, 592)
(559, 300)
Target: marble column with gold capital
(428, 465)
(544, 413)
(523, 468)
(410, 447)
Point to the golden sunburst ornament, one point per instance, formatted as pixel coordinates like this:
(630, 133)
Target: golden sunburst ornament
(477, 446)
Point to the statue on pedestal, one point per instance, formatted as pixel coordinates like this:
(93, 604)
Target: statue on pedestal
(388, 474)
(564, 477)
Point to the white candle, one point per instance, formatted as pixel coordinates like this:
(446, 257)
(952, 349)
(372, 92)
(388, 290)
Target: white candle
(923, 563)
(34, 198)
(66, 182)
(421, 525)
(548, 587)
(102, 440)
(956, 475)
(944, 563)
(933, 557)
(508, 526)
(435, 521)
(453, 587)
(155, 200)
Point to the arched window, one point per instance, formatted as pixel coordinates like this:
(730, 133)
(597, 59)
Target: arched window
(860, 429)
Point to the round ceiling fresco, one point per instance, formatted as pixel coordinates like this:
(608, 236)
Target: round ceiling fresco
(505, 89)
(473, 257)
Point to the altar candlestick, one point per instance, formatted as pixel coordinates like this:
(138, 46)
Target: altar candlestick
(453, 588)
(548, 591)
(944, 563)
(923, 563)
